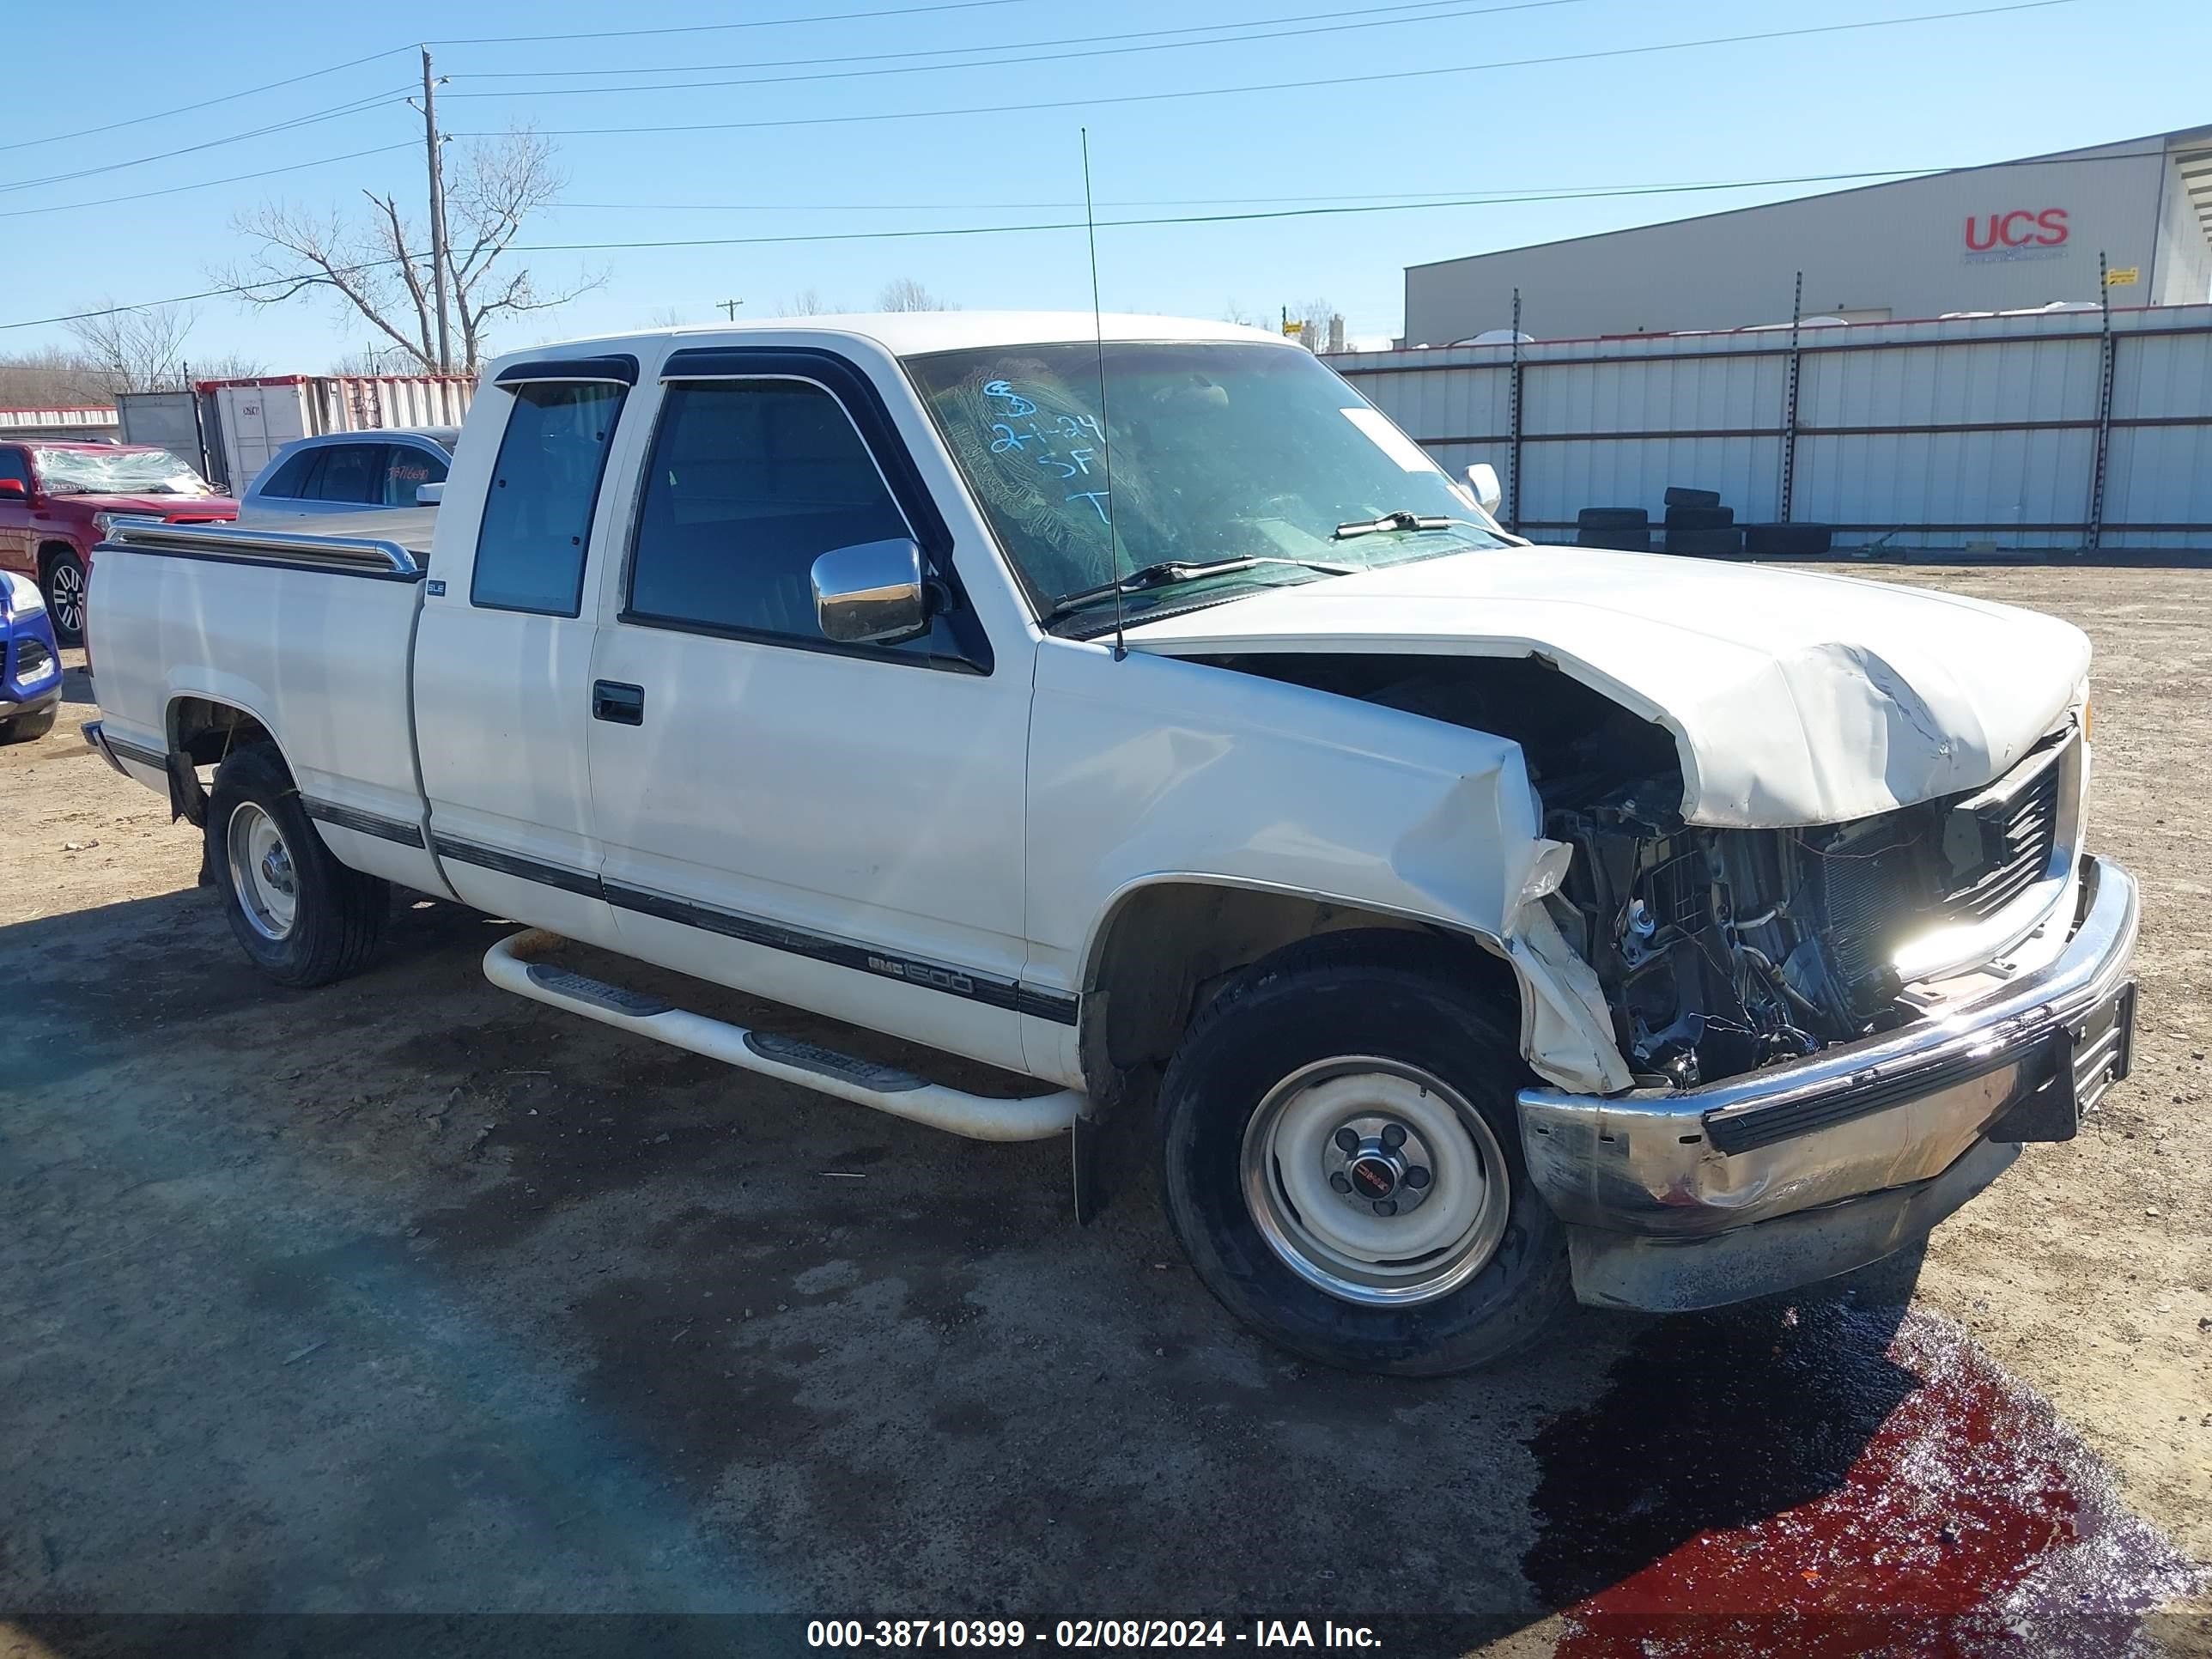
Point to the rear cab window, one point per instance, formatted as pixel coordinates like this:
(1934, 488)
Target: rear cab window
(544, 487)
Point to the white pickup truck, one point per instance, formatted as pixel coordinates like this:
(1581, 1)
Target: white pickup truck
(1126, 703)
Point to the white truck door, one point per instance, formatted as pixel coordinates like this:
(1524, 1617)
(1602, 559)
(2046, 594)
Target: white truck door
(503, 656)
(834, 826)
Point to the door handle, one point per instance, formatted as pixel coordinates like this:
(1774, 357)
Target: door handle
(611, 700)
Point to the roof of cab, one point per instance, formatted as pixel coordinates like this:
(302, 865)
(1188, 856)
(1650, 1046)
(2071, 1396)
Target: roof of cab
(915, 333)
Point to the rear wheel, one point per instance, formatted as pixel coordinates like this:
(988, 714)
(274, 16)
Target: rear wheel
(63, 580)
(302, 916)
(1340, 1159)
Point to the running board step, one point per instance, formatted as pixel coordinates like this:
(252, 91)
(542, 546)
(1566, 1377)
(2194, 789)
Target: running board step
(512, 965)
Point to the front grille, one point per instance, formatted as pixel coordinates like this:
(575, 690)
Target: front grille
(2018, 837)
(31, 659)
(1948, 863)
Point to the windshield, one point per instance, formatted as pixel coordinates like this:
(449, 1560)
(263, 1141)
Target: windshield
(1221, 450)
(116, 472)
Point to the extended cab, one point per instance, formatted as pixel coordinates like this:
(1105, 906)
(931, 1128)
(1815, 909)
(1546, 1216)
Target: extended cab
(1127, 704)
(57, 501)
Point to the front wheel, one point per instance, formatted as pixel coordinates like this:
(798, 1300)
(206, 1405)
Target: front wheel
(65, 585)
(1340, 1157)
(302, 916)
(27, 728)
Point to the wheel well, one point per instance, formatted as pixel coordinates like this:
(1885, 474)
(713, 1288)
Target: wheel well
(207, 731)
(1169, 948)
(48, 551)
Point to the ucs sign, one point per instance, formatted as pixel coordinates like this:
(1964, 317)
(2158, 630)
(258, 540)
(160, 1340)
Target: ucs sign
(2020, 228)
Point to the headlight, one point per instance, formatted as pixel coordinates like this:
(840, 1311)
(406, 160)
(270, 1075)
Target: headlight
(104, 522)
(20, 596)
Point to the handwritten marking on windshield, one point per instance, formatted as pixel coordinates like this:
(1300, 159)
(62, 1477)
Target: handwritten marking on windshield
(1001, 399)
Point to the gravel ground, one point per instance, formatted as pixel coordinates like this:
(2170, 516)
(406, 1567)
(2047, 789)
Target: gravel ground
(408, 1297)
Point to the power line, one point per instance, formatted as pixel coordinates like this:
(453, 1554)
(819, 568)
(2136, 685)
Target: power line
(1493, 200)
(1542, 193)
(713, 29)
(479, 41)
(1332, 82)
(1269, 28)
(1416, 197)
(356, 107)
(205, 184)
(205, 103)
(926, 52)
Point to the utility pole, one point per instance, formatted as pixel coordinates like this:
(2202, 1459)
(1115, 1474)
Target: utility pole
(729, 308)
(437, 213)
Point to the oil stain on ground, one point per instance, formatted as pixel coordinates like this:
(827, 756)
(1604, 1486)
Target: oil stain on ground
(1832, 1480)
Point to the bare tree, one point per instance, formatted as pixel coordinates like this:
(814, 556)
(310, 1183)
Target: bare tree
(55, 376)
(50, 377)
(1235, 312)
(809, 302)
(905, 294)
(377, 266)
(1316, 318)
(136, 348)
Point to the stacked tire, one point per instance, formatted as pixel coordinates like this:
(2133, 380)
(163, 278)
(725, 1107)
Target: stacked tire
(1624, 529)
(1705, 531)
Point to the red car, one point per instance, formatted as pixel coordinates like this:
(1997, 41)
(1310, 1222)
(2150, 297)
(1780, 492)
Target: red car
(57, 500)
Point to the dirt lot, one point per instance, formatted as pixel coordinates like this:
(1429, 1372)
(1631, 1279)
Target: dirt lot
(408, 1297)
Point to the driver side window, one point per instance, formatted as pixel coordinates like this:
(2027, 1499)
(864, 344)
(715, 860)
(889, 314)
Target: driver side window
(750, 483)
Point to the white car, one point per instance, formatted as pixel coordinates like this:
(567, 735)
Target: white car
(1126, 703)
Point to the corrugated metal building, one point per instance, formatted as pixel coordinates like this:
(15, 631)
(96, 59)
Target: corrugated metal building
(2006, 237)
(2053, 430)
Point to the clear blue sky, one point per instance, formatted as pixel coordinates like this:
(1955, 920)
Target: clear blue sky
(1932, 93)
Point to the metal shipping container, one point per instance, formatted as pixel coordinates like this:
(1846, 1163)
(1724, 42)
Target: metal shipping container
(248, 420)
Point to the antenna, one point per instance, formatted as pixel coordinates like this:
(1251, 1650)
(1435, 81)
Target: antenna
(1105, 425)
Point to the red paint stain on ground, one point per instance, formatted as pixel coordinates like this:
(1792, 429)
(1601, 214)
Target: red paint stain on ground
(1833, 1482)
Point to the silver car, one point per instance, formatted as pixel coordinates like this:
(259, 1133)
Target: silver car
(349, 472)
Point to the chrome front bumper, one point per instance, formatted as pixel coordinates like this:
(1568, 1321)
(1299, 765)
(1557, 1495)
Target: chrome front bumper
(1879, 1137)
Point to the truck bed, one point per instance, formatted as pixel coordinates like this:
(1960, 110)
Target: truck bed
(312, 635)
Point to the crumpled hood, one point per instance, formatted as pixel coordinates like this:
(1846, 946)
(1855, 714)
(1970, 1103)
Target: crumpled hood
(1794, 698)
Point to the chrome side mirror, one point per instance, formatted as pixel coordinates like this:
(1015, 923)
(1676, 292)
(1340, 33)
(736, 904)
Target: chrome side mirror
(1482, 479)
(429, 495)
(871, 594)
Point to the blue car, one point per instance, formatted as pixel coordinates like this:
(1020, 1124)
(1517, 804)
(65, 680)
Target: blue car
(30, 662)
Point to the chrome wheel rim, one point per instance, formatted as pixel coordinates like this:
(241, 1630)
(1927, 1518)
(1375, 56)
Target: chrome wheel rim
(262, 873)
(1375, 1182)
(67, 596)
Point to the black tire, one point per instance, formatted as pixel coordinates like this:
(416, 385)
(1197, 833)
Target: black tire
(1590, 517)
(1680, 496)
(1408, 998)
(1726, 543)
(28, 728)
(62, 579)
(1621, 538)
(338, 913)
(1787, 541)
(1699, 517)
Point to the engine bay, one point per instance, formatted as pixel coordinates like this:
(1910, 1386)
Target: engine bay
(1719, 950)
